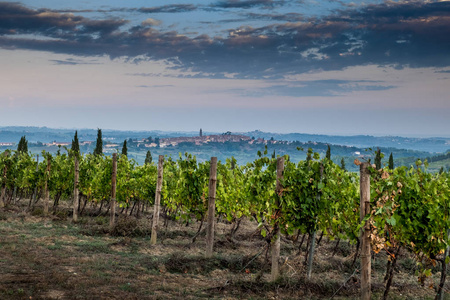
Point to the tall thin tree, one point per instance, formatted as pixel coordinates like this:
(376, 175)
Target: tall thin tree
(124, 148)
(75, 143)
(148, 158)
(22, 147)
(378, 159)
(99, 144)
(391, 162)
(328, 155)
(343, 164)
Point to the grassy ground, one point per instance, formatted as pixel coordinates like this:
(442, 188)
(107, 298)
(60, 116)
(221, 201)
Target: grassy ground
(52, 258)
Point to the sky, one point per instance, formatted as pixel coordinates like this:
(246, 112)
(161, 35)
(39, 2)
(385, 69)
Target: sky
(311, 66)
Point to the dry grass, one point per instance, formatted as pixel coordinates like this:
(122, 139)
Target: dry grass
(52, 258)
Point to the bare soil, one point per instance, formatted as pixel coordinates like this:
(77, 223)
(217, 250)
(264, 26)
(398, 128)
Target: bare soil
(54, 258)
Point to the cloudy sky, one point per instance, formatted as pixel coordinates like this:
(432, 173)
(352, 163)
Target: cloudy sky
(312, 66)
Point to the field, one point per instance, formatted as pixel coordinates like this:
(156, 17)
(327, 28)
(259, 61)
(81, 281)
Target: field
(53, 258)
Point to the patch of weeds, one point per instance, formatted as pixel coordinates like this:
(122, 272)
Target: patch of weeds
(3, 216)
(296, 288)
(37, 212)
(101, 220)
(179, 262)
(60, 215)
(173, 234)
(129, 226)
(93, 246)
(379, 264)
(408, 264)
(56, 246)
(127, 287)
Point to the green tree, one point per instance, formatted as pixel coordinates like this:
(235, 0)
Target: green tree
(328, 155)
(343, 164)
(148, 158)
(391, 162)
(22, 147)
(99, 144)
(75, 144)
(378, 159)
(124, 148)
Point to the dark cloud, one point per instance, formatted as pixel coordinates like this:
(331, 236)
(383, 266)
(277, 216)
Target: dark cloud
(247, 3)
(174, 8)
(16, 19)
(73, 62)
(399, 34)
(289, 17)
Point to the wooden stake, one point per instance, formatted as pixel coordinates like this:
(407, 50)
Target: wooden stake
(276, 238)
(46, 191)
(156, 207)
(312, 245)
(211, 207)
(33, 199)
(112, 216)
(365, 232)
(440, 292)
(3, 194)
(75, 189)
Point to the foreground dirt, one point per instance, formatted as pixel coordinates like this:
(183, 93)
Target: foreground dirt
(52, 258)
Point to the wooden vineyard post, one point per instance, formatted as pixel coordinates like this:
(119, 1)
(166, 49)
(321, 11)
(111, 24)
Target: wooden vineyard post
(75, 190)
(33, 199)
(46, 191)
(440, 292)
(312, 245)
(365, 232)
(157, 205)
(211, 207)
(276, 237)
(112, 216)
(3, 194)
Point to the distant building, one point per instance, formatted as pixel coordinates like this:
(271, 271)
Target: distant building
(111, 145)
(55, 143)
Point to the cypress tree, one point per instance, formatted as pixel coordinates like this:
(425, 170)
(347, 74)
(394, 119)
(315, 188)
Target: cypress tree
(378, 159)
(124, 148)
(99, 144)
(391, 162)
(148, 158)
(441, 170)
(343, 164)
(328, 155)
(22, 147)
(75, 144)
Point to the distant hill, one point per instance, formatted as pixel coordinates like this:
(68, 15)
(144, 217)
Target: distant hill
(434, 145)
(12, 134)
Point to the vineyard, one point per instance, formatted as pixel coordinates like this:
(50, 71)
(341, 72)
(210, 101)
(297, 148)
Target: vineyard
(290, 209)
